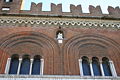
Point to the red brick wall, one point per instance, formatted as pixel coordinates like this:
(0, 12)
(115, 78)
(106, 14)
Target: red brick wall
(60, 58)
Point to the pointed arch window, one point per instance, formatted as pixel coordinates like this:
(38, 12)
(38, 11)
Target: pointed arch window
(14, 64)
(36, 65)
(86, 66)
(25, 66)
(96, 66)
(106, 67)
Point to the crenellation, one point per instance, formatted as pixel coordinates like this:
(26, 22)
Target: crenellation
(75, 10)
(95, 10)
(36, 8)
(114, 11)
(56, 9)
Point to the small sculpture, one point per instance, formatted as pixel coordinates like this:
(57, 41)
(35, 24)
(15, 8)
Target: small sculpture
(60, 36)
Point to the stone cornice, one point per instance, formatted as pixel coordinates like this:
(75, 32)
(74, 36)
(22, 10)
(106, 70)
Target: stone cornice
(75, 22)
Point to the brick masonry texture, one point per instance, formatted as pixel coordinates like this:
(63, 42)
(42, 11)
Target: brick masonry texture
(59, 59)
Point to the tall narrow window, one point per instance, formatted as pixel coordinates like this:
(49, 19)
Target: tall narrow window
(25, 66)
(14, 64)
(36, 65)
(86, 66)
(106, 67)
(96, 66)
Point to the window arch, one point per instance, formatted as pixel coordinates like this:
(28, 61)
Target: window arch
(106, 66)
(96, 66)
(86, 66)
(14, 64)
(36, 65)
(25, 66)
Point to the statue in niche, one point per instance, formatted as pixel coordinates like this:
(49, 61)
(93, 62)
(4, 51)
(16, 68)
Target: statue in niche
(60, 35)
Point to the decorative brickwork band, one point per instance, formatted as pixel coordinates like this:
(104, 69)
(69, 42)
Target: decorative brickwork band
(62, 21)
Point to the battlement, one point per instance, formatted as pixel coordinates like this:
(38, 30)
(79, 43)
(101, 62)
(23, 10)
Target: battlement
(56, 10)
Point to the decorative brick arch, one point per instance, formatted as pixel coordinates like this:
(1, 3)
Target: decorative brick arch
(90, 45)
(32, 43)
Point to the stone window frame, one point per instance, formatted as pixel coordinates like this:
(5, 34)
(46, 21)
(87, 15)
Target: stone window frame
(112, 68)
(7, 68)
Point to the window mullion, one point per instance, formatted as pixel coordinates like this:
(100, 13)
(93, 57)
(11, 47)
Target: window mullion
(7, 66)
(31, 63)
(20, 61)
(41, 66)
(112, 68)
(101, 68)
(91, 69)
(80, 67)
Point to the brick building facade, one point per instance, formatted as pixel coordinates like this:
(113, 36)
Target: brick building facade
(63, 40)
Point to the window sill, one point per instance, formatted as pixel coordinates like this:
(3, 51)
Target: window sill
(59, 77)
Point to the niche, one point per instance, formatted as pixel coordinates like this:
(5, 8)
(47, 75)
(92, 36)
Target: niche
(60, 36)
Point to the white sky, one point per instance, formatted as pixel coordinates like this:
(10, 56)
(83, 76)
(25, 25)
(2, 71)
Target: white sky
(66, 3)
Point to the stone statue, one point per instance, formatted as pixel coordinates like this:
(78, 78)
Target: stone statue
(60, 36)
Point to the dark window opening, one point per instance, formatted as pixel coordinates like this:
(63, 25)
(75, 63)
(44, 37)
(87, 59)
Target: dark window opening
(106, 67)
(86, 66)
(14, 64)
(96, 67)
(36, 65)
(25, 66)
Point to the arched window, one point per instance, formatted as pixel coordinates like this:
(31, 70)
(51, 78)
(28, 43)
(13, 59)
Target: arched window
(25, 66)
(106, 67)
(14, 64)
(96, 66)
(86, 66)
(36, 65)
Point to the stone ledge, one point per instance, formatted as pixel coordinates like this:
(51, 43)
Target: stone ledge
(58, 77)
